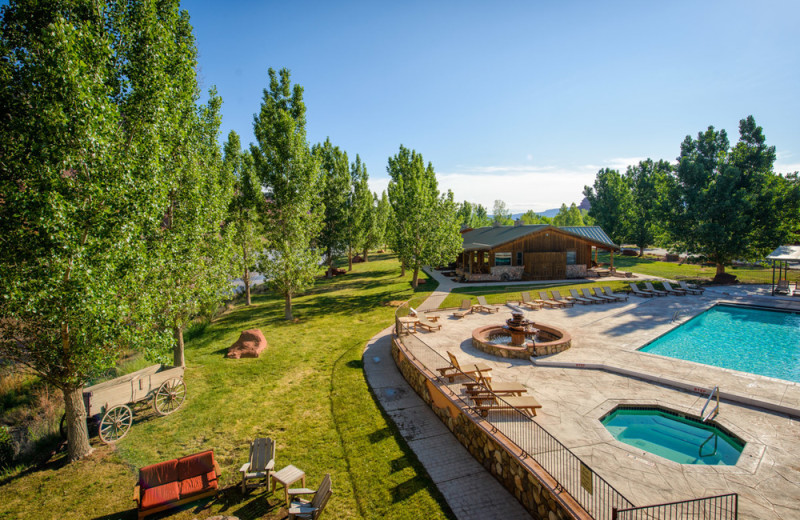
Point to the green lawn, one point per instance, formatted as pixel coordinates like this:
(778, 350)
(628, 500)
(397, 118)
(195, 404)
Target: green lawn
(307, 391)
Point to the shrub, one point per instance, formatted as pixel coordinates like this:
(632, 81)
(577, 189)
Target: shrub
(7, 447)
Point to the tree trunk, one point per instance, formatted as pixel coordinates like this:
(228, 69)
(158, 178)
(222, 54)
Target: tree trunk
(641, 250)
(415, 280)
(329, 273)
(365, 255)
(287, 307)
(349, 258)
(402, 269)
(246, 279)
(78, 445)
(720, 269)
(177, 350)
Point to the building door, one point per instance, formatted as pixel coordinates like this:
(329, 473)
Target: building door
(546, 266)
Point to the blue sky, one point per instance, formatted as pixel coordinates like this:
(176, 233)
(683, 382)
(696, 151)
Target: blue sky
(519, 101)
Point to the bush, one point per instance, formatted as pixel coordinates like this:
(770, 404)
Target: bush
(7, 447)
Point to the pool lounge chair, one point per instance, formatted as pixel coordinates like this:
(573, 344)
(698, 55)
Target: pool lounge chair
(598, 293)
(638, 292)
(573, 298)
(553, 304)
(466, 308)
(672, 290)
(483, 306)
(533, 305)
(456, 369)
(558, 298)
(484, 386)
(426, 323)
(649, 287)
(612, 294)
(526, 404)
(691, 289)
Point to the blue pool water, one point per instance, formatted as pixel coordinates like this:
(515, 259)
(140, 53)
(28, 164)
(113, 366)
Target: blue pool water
(679, 439)
(740, 338)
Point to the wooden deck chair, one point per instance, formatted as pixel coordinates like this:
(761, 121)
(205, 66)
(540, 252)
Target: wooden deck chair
(782, 287)
(649, 287)
(534, 305)
(690, 288)
(312, 509)
(466, 308)
(638, 292)
(612, 294)
(586, 293)
(483, 306)
(527, 404)
(672, 290)
(427, 323)
(574, 297)
(455, 369)
(484, 386)
(553, 303)
(259, 465)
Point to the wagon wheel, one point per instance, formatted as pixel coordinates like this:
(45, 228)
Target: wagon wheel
(115, 424)
(170, 396)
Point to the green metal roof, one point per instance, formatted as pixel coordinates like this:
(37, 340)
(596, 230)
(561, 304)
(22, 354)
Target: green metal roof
(485, 238)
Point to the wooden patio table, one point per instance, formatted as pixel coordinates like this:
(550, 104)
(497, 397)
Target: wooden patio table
(288, 476)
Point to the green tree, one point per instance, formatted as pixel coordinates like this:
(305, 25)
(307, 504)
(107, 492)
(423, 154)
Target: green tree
(335, 193)
(288, 170)
(243, 211)
(647, 182)
(425, 226)
(383, 214)
(360, 208)
(531, 217)
(568, 216)
(611, 203)
(481, 218)
(86, 93)
(501, 214)
(721, 196)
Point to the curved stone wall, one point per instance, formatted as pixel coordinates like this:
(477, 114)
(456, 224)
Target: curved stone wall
(558, 341)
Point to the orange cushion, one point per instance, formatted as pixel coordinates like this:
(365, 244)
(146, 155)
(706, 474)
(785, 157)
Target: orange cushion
(198, 484)
(158, 474)
(160, 495)
(194, 465)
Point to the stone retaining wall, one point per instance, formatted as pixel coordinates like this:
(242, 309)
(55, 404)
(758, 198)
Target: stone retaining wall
(522, 477)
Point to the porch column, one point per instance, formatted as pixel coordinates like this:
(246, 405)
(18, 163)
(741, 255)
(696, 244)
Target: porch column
(612, 259)
(595, 255)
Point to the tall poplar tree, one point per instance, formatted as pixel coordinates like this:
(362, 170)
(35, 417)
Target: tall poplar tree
(335, 191)
(86, 93)
(289, 172)
(361, 210)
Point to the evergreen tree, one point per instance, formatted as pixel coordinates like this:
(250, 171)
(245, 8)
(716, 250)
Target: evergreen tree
(288, 170)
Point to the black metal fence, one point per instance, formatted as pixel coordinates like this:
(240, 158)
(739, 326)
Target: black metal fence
(722, 507)
(597, 497)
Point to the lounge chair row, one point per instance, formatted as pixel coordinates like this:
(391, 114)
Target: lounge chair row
(649, 291)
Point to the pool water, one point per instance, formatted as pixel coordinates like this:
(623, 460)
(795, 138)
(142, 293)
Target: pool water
(679, 439)
(741, 338)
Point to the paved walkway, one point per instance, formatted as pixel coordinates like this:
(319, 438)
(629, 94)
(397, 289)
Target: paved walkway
(470, 490)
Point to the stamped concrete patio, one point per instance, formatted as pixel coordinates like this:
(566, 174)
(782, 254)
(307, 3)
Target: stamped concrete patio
(767, 476)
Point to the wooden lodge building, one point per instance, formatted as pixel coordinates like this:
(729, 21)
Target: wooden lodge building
(531, 252)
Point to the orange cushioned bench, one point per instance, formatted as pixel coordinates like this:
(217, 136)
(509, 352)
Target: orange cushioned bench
(176, 482)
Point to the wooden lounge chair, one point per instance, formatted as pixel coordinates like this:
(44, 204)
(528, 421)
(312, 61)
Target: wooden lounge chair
(259, 465)
(691, 289)
(598, 294)
(574, 297)
(638, 292)
(782, 287)
(649, 287)
(312, 509)
(483, 306)
(466, 308)
(455, 369)
(534, 305)
(426, 323)
(553, 303)
(484, 386)
(526, 404)
(618, 296)
(672, 290)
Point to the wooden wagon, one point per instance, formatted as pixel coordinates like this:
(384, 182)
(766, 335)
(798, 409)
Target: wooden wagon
(111, 403)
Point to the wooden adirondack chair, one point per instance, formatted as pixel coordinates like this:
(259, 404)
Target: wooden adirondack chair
(312, 509)
(260, 464)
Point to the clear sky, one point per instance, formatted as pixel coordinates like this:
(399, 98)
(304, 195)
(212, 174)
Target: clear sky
(519, 101)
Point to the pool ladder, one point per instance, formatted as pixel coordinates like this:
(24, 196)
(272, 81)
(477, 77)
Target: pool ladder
(713, 412)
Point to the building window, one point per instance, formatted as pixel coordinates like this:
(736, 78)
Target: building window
(571, 256)
(502, 259)
(519, 258)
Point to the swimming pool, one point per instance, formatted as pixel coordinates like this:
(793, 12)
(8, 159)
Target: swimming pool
(747, 339)
(677, 438)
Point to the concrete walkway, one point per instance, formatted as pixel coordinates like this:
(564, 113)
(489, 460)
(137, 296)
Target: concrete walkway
(470, 491)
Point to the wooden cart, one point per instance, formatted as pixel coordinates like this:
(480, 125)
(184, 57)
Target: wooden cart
(111, 403)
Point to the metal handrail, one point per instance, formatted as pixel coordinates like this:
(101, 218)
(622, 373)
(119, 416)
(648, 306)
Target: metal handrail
(714, 411)
(717, 507)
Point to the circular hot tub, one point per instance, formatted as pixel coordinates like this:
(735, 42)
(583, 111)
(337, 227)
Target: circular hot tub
(496, 340)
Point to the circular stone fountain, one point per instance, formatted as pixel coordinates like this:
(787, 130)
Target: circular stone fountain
(519, 338)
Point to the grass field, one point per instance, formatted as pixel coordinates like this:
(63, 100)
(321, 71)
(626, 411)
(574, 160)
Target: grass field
(307, 391)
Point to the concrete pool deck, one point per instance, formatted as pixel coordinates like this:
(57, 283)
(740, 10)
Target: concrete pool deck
(767, 476)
